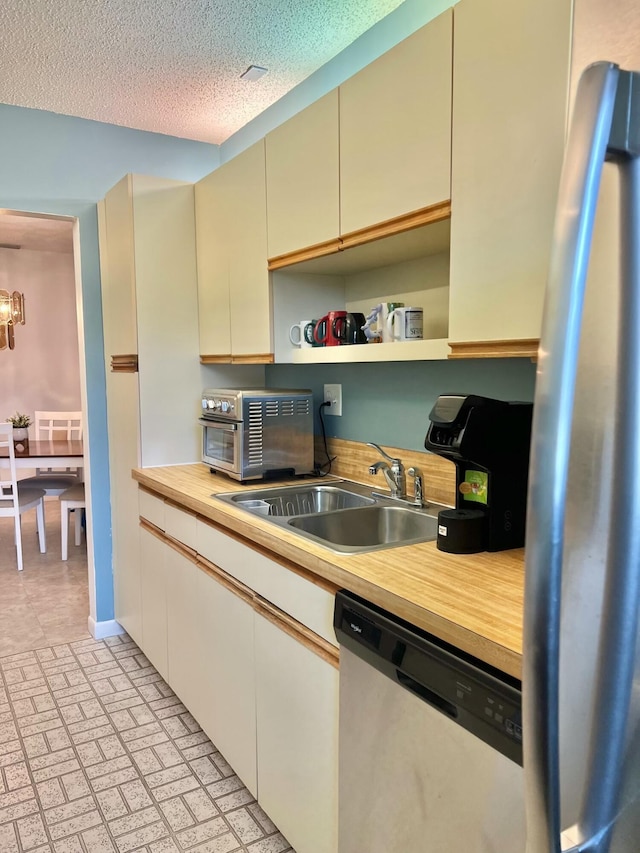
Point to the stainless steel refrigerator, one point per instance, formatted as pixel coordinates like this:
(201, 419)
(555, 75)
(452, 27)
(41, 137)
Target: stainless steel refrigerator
(581, 676)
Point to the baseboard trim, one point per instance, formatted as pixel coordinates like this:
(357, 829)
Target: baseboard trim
(108, 628)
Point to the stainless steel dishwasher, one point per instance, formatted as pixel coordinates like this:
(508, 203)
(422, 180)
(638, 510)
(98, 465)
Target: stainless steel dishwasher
(430, 742)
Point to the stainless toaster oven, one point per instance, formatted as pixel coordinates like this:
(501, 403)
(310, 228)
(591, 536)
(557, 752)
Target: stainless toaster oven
(255, 433)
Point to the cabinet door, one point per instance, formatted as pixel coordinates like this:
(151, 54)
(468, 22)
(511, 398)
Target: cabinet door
(212, 248)
(122, 413)
(119, 291)
(395, 130)
(303, 207)
(185, 648)
(228, 675)
(249, 295)
(153, 553)
(508, 136)
(297, 737)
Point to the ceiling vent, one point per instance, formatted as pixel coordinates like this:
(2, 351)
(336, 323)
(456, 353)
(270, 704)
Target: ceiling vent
(254, 72)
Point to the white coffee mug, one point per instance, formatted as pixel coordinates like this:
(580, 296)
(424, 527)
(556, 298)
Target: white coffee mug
(405, 324)
(296, 334)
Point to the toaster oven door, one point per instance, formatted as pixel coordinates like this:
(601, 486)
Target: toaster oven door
(222, 445)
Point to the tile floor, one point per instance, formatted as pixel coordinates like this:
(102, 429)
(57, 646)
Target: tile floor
(97, 754)
(48, 602)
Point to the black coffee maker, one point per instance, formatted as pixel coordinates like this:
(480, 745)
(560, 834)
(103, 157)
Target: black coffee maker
(488, 440)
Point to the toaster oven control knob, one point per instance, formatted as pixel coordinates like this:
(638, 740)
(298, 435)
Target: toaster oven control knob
(205, 404)
(210, 403)
(226, 406)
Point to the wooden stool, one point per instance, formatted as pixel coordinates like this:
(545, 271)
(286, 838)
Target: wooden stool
(71, 499)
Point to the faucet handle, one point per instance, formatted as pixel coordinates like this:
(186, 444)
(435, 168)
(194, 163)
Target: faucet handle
(392, 459)
(416, 473)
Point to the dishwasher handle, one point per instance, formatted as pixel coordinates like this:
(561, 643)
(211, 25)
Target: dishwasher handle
(427, 695)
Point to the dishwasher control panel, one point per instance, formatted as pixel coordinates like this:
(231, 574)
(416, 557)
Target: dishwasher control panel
(476, 696)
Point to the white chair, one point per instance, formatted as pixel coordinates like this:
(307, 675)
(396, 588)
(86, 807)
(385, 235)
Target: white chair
(14, 498)
(71, 500)
(51, 426)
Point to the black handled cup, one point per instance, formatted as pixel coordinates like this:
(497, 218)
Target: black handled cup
(350, 332)
(308, 334)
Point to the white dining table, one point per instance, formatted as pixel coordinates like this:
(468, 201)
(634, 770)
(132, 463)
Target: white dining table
(50, 454)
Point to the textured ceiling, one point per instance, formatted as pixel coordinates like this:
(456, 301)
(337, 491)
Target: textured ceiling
(170, 66)
(36, 233)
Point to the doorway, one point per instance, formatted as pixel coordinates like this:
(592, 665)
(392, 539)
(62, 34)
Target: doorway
(43, 370)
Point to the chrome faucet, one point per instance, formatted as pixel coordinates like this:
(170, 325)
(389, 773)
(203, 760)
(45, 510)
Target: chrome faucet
(393, 474)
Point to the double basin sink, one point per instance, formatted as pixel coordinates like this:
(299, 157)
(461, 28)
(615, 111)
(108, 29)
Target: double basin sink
(342, 516)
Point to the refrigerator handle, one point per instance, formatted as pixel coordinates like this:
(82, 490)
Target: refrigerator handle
(550, 446)
(616, 658)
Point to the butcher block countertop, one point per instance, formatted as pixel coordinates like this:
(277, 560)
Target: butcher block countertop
(472, 601)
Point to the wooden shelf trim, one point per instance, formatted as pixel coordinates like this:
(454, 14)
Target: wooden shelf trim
(407, 222)
(525, 348)
(257, 358)
(124, 363)
(298, 631)
(330, 247)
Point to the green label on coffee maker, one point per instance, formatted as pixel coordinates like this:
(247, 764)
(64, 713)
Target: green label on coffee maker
(474, 487)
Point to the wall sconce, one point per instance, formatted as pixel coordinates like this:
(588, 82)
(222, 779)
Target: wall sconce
(11, 313)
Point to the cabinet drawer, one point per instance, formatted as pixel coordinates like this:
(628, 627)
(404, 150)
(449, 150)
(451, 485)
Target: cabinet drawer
(180, 525)
(151, 508)
(297, 596)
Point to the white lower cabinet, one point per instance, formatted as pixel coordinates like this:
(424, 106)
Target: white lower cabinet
(153, 554)
(297, 737)
(228, 676)
(185, 633)
(260, 676)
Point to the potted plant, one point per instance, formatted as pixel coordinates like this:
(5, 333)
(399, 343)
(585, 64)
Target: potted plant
(21, 424)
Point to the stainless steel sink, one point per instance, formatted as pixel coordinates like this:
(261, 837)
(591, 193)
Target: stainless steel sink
(287, 501)
(342, 516)
(367, 528)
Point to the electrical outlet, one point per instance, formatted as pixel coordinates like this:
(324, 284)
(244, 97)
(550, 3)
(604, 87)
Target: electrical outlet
(333, 395)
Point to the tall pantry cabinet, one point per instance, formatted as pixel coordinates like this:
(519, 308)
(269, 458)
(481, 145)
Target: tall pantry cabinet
(150, 318)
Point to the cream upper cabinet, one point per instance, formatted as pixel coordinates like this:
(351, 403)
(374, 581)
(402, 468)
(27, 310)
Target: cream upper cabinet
(119, 310)
(231, 228)
(211, 195)
(509, 119)
(249, 296)
(395, 130)
(303, 207)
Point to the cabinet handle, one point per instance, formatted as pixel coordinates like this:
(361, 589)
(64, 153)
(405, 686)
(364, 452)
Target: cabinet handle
(226, 580)
(305, 636)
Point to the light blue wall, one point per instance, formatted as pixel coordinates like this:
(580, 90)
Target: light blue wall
(62, 165)
(388, 32)
(389, 403)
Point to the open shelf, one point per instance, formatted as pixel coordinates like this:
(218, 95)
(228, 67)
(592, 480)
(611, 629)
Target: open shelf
(426, 350)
